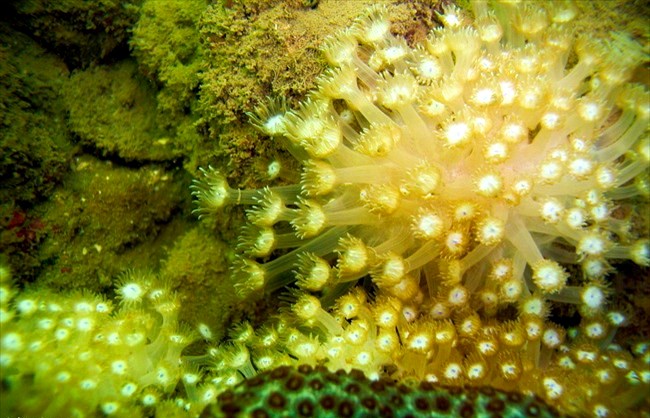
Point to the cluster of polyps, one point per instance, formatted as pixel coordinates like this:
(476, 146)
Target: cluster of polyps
(72, 355)
(478, 149)
(462, 176)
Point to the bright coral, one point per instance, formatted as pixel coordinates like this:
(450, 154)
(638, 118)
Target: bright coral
(470, 176)
(74, 355)
(476, 147)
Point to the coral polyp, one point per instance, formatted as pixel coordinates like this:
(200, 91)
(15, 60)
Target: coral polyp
(481, 170)
(467, 149)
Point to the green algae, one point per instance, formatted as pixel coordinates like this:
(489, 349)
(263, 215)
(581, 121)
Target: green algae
(257, 50)
(34, 141)
(34, 144)
(107, 219)
(122, 119)
(80, 32)
(196, 266)
(166, 45)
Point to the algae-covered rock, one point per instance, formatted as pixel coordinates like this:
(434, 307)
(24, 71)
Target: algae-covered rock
(198, 268)
(166, 45)
(256, 50)
(34, 143)
(165, 41)
(113, 109)
(81, 32)
(106, 220)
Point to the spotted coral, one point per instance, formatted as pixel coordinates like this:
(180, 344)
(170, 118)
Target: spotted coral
(307, 391)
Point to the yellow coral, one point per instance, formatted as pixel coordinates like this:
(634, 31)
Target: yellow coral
(69, 355)
(464, 175)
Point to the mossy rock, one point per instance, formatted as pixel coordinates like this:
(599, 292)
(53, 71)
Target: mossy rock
(196, 266)
(34, 142)
(165, 42)
(106, 220)
(113, 111)
(81, 32)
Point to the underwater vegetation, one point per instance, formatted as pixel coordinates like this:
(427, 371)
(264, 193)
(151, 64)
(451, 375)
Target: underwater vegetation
(444, 224)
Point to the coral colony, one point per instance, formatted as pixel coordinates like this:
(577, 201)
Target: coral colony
(451, 195)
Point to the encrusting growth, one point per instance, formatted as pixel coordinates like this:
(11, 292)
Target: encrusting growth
(462, 176)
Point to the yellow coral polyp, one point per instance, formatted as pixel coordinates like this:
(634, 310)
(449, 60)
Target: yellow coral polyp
(549, 276)
(72, 348)
(471, 183)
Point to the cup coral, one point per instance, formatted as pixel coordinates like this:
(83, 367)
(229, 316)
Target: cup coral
(479, 171)
(72, 355)
(480, 145)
